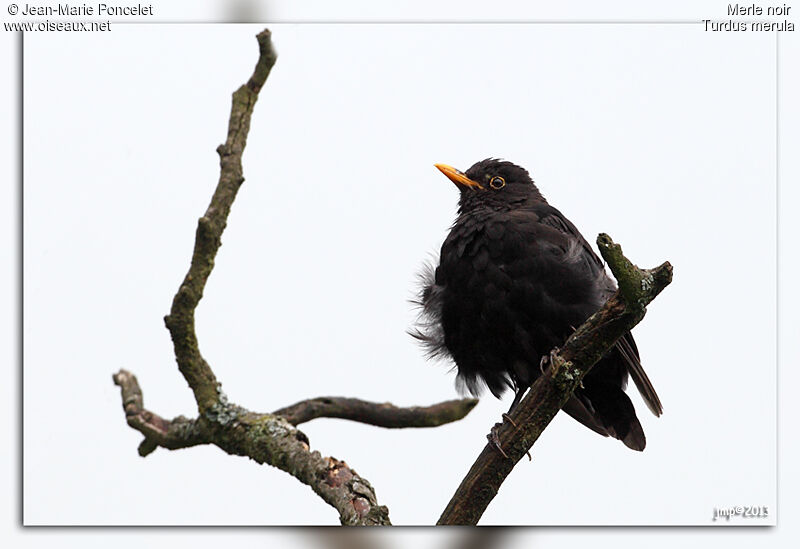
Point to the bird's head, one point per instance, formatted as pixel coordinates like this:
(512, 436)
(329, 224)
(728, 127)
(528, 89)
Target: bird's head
(493, 183)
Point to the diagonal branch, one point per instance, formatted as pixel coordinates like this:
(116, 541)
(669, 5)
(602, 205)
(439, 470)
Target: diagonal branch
(568, 365)
(382, 415)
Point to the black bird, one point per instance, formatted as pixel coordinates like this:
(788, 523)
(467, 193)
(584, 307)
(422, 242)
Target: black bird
(514, 280)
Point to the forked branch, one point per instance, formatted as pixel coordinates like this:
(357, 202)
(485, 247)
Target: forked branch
(266, 438)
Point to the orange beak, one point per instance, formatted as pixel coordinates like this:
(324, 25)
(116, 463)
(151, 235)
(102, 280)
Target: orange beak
(458, 177)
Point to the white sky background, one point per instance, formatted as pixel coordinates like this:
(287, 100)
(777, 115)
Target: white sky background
(650, 133)
(639, 135)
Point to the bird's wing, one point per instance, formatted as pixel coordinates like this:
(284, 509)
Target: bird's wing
(578, 411)
(626, 344)
(549, 215)
(627, 347)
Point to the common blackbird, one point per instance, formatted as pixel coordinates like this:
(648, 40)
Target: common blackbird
(514, 280)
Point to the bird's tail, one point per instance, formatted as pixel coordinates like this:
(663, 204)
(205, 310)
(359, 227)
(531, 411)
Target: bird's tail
(607, 410)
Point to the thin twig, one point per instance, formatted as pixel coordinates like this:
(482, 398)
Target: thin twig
(382, 415)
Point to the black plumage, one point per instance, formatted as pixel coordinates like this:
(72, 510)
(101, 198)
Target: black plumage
(515, 278)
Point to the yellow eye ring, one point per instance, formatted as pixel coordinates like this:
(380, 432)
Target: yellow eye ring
(497, 182)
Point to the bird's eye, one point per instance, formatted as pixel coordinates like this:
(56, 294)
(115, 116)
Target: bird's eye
(497, 182)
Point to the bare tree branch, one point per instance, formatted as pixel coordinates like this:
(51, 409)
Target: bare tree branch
(265, 438)
(171, 434)
(382, 415)
(180, 320)
(568, 365)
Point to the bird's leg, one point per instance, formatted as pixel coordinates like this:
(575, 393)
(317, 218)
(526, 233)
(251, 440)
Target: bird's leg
(493, 436)
(544, 362)
(494, 440)
(517, 398)
(547, 359)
